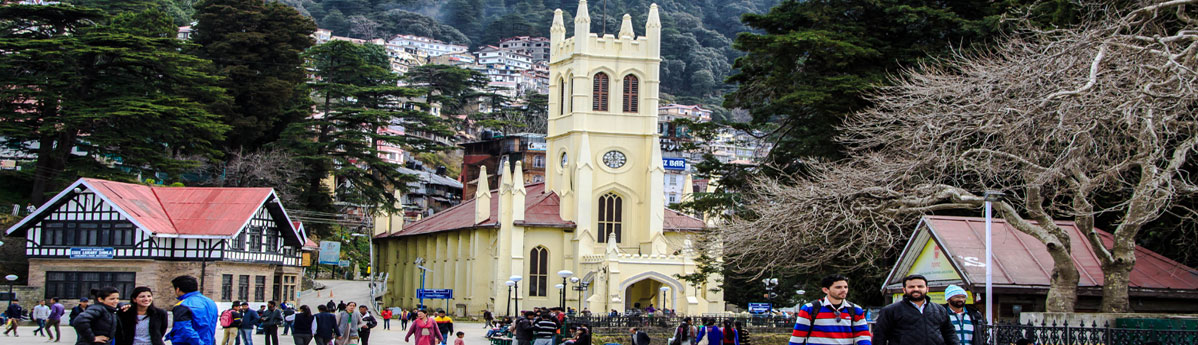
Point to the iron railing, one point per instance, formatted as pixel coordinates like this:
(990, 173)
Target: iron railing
(649, 322)
(1082, 334)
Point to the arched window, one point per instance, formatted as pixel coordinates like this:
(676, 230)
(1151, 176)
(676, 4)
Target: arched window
(538, 271)
(611, 215)
(631, 93)
(600, 93)
(561, 99)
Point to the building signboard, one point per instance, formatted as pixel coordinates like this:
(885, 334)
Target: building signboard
(434, 293)
(330, 252)
(538, 146)
(92, 252)
(674, 163)
(759, 308)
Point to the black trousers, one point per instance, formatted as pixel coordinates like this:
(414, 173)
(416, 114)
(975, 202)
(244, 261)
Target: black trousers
(271, 333)
(57, 333)
(364, 336)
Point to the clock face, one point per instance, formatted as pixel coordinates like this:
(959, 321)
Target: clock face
(614, 159)
(565, 160)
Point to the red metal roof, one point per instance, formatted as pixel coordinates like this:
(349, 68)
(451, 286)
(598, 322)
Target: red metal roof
(677, 221)
(183, 211)
(1021, 260)
(541, 208)
(210, 211)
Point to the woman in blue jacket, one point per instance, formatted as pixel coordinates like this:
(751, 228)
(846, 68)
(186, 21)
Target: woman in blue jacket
(711, 332)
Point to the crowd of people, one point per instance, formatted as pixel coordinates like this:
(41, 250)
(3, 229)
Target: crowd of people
(102, 319)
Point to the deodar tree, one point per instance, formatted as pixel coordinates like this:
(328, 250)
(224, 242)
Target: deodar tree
(1093, 120)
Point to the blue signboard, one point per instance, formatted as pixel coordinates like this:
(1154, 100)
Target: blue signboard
(92, 252)
(759, 308)
(674, 163)
(343, 263)
(330, 252)
(434, 293)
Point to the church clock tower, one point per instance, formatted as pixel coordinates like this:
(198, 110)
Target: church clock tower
(605, 160)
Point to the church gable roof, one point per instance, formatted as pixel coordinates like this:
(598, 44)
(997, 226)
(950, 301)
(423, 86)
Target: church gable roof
(541, 208)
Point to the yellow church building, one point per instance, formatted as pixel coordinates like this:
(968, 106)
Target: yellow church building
(600, 214)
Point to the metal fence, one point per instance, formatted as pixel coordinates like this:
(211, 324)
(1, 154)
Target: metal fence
(1082, 334)
(651, 322)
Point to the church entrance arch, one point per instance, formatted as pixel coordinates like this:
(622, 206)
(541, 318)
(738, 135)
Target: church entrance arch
(642, 290)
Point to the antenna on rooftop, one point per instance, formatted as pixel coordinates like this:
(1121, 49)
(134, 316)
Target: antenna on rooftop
(604, 19)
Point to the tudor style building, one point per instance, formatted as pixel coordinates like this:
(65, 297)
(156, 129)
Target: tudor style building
(238, 241)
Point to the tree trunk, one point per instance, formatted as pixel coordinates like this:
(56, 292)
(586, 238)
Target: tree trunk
(43, 170)
(1116, 273)
(1062, 290)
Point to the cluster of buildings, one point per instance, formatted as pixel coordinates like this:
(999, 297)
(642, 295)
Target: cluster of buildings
(517, 66)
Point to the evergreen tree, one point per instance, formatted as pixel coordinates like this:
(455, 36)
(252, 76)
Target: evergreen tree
(356, 98)
(121, 94)
(257, 50)
(446, 85)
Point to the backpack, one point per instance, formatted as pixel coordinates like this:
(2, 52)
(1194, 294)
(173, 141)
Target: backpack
(226, 318)
(816, 306)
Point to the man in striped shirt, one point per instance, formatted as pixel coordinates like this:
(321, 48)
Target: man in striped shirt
(831, 320)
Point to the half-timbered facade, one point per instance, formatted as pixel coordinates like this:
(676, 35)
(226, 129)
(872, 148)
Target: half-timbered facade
(238, 241)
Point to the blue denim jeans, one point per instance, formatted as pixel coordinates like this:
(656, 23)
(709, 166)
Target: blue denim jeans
(247, 334)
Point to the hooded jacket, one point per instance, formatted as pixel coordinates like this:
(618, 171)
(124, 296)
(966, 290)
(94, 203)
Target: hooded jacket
(97, 320)
(195, 322)
(901, 323)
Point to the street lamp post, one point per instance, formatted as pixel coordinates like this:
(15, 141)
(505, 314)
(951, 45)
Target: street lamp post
(581, 287)
(12, 279)
(370, 268)
(516, 284)
(770, 284)
(508, 311)
(565, 274)
(990, 197)
(663, 290)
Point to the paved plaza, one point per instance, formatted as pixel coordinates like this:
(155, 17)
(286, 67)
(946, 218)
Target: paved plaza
(378, 336)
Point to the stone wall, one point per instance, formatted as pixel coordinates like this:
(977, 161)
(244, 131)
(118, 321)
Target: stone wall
(157, 275)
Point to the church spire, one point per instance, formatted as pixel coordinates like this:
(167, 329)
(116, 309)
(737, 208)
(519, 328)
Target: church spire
(482, 197)
(653, 32)
(582, 20)
(626, 28)
(557, 32)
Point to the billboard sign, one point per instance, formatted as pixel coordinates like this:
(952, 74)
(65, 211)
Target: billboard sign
(434, 293)
(330, 252)
(759, 308)
(92, 252)
(674, 163)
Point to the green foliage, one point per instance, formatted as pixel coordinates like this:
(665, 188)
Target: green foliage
(265, 83)
(356, 96)
(696, 35)
(448, 85)
(178, 11)
(122, 92)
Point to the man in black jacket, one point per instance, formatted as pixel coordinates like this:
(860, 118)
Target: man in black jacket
(272, 318)
(13, 313)
(368, 322)
(966, 320)
(639, 337)
(523, 328)
(915, 320)
(77, 310)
